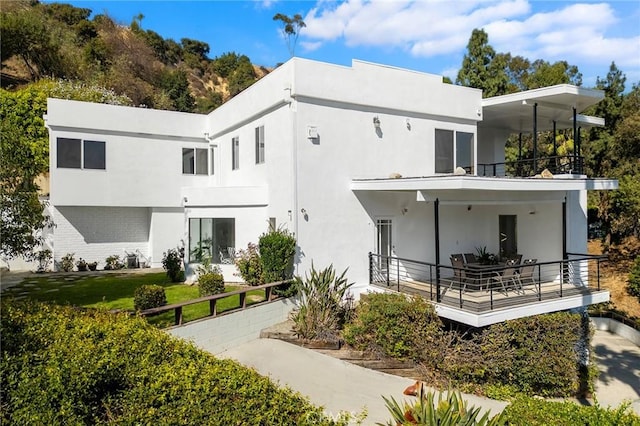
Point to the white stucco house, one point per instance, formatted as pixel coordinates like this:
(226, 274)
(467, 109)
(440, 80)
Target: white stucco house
(385, 171)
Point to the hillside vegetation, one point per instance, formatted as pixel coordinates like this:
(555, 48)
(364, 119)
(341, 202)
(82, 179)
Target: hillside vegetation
(60, 41)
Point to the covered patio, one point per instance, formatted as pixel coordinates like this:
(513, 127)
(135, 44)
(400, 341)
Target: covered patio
(537, 220)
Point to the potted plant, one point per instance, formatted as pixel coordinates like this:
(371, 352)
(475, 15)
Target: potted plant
(66, 262)
(43, 257)
(81, 264)
(92, 266)
(485, 257)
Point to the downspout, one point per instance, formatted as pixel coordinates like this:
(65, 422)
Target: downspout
(436, 220)
(564, 228)
(535, 138)
(294, 163)
(575, 131)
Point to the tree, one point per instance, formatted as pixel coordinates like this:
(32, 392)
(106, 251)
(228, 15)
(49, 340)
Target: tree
(24, 149)
(176, 86)
(243, 76)
(482, 68)
(291, 27)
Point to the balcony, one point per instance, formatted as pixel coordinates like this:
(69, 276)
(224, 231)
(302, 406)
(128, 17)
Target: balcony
(494, 293)
(557, 165)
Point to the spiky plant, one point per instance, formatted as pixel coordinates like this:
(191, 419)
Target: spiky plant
(448, 410)
(322, 304)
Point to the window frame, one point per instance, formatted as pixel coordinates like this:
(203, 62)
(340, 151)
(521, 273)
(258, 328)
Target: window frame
(196, 155)
(81, 150)
(453, 155)
(260, 145)
(216, 244)
(235, 153)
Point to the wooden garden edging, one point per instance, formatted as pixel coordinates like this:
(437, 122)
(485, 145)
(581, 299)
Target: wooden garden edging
(177, 307)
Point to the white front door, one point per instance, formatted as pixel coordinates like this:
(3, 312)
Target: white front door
(384, 237)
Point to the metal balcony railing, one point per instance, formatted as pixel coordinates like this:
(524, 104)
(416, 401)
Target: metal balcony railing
(566, 164)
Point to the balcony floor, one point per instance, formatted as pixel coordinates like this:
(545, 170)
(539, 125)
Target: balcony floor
(476, 302)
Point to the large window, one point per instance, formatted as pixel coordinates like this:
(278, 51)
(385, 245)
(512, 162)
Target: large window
(235, 153)
(78, 154)
(212, 237)
(445, 148)
(195, 161)
(260, 145)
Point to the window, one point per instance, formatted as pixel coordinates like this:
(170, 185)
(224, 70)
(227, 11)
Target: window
(195, 161)
(260, 145)
(464, 151)
(212, 237)
(69, 153)
(94, 155)
(508, 235)
(78, 154)
(444, 151)
(445, 162)
(235, 153)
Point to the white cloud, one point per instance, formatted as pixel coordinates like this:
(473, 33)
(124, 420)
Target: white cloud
(576, 32)
(265, 4)
(310, 46)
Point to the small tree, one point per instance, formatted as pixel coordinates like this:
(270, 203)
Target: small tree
(277, 249)
(249, 265)
(291, 27)
(172, 263)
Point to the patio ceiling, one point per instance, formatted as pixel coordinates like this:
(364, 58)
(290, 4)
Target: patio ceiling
(514, 112)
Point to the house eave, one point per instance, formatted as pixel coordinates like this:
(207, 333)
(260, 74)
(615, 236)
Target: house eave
(481, 183)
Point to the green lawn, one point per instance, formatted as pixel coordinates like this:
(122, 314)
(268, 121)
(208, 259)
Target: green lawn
(115, 291)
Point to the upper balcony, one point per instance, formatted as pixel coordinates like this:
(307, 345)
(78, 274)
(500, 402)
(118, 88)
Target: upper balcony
(549, 109)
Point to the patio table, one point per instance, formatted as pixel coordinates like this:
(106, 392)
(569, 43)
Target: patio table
(481, 273)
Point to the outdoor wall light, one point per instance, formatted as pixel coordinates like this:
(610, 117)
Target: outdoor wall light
(376, 122)
(408, 122)
(469, 207)
(405, 211)
(303, 211)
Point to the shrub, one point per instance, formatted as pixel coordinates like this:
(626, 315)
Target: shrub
(149, 296)
(249, 265)
(211, 283)
(633, 283)
(448, 410)
(113, 263)
(172, 263)
(67, 262)
(533, 355)
(61, 365)
(323, 307)
(277, 249)
(397, 326)
(43, 257)
(537, 412)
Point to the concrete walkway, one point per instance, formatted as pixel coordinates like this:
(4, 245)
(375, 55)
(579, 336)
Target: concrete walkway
(335, 384)
(619, 364)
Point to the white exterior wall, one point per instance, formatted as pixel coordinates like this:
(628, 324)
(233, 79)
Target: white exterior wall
(336, 228)
(93, 233)
(167, 230)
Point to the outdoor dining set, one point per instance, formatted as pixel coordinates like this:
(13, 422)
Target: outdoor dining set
(510, 273)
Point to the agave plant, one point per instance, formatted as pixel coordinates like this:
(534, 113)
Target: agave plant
(448, 410)
(323, 304)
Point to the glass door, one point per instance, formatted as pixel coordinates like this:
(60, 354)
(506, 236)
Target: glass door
(384, 241)
(508, 236)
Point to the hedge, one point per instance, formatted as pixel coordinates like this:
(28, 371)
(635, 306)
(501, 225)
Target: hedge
(534, 355)
(61, 365)
(538, 412)
(149, 296)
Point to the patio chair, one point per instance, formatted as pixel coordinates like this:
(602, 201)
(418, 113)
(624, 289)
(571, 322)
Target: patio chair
(509, 275)
(225, 258)
(525, 274)
(459, 274)
(470, 258)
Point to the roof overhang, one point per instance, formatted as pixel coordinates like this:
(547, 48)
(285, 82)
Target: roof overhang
(514, 112)
(481, 183)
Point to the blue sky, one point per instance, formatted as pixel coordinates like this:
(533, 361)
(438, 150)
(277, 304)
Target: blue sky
(424, 35)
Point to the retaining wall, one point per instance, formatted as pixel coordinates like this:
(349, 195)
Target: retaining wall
(225, 331)
(622, 330)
